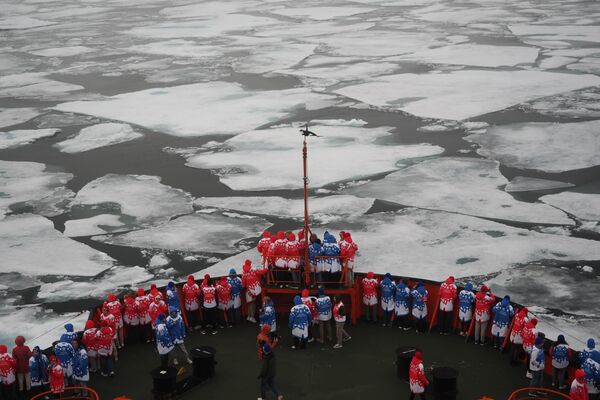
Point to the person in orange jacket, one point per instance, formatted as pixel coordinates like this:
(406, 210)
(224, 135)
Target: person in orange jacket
(416, 374)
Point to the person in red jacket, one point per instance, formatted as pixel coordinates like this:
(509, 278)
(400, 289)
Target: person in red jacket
(292, 252)
(8, 374)
(348, 249)
(104, 341)
(143, 303)
(251, 282)
(191, 296)
(448, 293)
(21, 354)
(115, 307)
(264, 337)
(57, 377)
(370, 285)
(483, 303)
(157, 307)
(223, 303)
(579, 389)
(91, 344)
(263, 246)
(416, 374)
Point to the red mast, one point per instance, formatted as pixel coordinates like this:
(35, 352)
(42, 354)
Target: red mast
(306, 133)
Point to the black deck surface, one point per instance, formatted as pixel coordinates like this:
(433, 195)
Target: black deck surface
(363, 369)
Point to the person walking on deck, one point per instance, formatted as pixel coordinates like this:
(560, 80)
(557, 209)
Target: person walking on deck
(417, 378)
(164, 341)
(177, 330)
(323, 306)
(267, 374)
(264, 337)
(339, 315)
(448, 292)
(267, 316)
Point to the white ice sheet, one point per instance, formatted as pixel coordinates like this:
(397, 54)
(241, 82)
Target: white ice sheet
(21, 137)
(97, 136)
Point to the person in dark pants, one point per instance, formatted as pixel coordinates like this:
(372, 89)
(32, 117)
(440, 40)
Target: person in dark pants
(267, 374)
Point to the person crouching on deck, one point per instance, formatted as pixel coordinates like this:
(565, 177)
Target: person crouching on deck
(417, 378)
(177, 331)
(299, 321)
(419, 310)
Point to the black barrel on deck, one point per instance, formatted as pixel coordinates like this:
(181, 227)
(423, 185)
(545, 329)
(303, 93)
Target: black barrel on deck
(203, 358)
(445, 383)
(164, 383)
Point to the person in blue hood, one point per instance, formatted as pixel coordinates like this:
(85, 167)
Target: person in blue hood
(177, 331)
(503, 314)
(315, 250)
(69, 335)
(586, 352)
(173, 296)
(235, 309)
(38, 368)
(164, 341)
(561, 353)
(419, 310)
(299, 321)
(331, 250)
(466, 300)
(402, 305)
(388, 293)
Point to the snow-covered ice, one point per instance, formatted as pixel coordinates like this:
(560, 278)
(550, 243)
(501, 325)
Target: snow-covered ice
(207, 233)
(541, 145)
(481, 55)
(463, 185)
(321, 208)
(321, 13)
(589, 64)
(22, 22)
(41, 327)
(207, 9)
(219, 101)
(30, 245)
(582, 205)
(250, 158)
(111, 281)
(528, 184)
(29, 183)
(97, 136)
(35, 85)
(273, 57)
(142, 197)
(584, 33)
(21, 137)
(97, 225)
(460, 95)
(344, 71)
(178, 48)
(556, 62)
(159, 261)
(14, 116)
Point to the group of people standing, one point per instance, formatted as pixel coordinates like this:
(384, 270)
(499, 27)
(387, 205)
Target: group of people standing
(399, 302)
(283, 254)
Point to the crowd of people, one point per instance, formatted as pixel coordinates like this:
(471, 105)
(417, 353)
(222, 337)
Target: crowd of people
(476, 310)
(213, 304)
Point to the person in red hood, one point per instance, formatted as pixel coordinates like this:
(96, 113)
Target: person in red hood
(21, 354)
(529, 336)
(301, 247)
(263, 247)
(516, 336)
(417, 379)
(579, 389)
(131, 316)
(292, 252)
(348, 250)
(105, 349)
(483, 303)
(143, 302)
(251, 282)
(115, 307)
(264, 337)
(448, 293)
(8, 367)
(223, 303)
(153, 292)
(369, 288)
(280, 252)
(310, 302)
(57, 377)
(191, 296)
(91, 344)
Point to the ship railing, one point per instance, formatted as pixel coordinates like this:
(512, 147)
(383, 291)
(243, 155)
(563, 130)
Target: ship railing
(70, 393)
(280, 269)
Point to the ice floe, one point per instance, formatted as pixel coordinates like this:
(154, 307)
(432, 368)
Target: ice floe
(344, 71)
(28, 184)
(219, 101)
(556, 62)
(30, 245)
(111, 281)
(97, 136)
(263, 159)
(584, 33)
(207, 9)
(14, 116)
(321, 208)
(579, 103)
(97, 225)
(207, 233)
(460, 95)
(178, 48)
(35, 85)
(41, 327)
(463, 185)
(22, 22)
(541, 145)
(142, 198)
(273, 57)
(481, 55)
(21, 137)
(528, 184)
(321, 13)
(582, 205)
(589, 64)
(159, 261)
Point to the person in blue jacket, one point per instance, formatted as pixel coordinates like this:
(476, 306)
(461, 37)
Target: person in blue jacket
(586, 352)
(164, 341)
(419, 309)
(177, 331)
(299, 321)
(402, 305)
(267, 316)
(235, 307)
(387, 289)
(69, 335)
(331, 264)
(503, 314)
(65, 353)
(172, 296)
(323, 306)
(591, 367)
(38, 368)
(560, 353)
(466, 300)
(81, 373)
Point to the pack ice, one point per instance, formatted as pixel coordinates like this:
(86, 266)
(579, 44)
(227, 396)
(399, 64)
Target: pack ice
(464, 94)
(262, 159)
(21, 137)
(175, 110)
(97, 136)
(541, 145)
(464, 185)
(196, 233)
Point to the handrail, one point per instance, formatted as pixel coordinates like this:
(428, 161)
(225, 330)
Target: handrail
(91, 394)
(514, 394)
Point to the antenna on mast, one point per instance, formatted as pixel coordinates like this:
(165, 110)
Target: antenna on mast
(306, 133)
